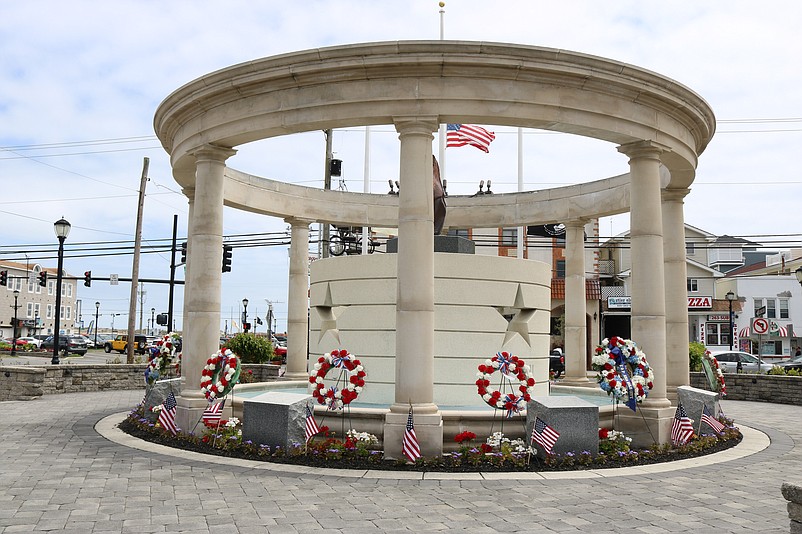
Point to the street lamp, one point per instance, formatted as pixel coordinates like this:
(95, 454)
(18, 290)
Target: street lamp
(730, 297)
(97, 316)
(152, 321)
(113, 315)
(245, 315)
(62, 228)
(14, 334)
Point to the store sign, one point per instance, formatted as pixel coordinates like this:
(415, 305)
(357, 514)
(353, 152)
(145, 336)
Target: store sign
(694, 303)
(700, 303)
(618, 303)
(724, 317)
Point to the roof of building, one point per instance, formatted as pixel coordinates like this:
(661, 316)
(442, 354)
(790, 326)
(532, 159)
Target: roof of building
(592, 289)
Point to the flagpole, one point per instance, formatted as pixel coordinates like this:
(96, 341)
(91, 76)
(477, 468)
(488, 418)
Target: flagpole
(366, 186)
(442, 129)
(521, 229)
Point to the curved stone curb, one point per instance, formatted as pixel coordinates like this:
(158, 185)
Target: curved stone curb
(753, 442)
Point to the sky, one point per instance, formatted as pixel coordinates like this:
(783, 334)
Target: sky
(81, 82)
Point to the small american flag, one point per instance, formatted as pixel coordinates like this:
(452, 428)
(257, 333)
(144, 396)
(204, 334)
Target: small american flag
(410, 445)
(682, 427)
(311, 424)
(213, 412)
(468, 134)
(167, 414)
(544, 435)
(711, 421)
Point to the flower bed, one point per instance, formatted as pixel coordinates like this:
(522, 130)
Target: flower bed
(359, 451)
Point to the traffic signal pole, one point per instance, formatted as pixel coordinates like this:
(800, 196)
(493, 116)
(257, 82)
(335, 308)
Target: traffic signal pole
(172, 277)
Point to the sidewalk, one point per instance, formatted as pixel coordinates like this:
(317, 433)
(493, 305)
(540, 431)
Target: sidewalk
(60, 475)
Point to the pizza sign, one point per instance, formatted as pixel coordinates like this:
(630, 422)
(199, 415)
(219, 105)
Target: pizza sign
(696, 303)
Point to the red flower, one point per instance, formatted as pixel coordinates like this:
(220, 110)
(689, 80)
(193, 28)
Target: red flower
(613, 383)
(485, 448)
(603, 433)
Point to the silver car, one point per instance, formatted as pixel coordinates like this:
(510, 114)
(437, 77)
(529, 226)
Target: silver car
(728, 362)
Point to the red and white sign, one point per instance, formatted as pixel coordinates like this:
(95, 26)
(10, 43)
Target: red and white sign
(760, 325)
(700, 303)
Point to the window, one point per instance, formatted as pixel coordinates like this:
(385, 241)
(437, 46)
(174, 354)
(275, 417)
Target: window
(560, 269)
(784, 314)
(718, 334)
(69, 290)
(509, 237)
(31, 283)
(459, 232)
(49, 311)
(771, 312)
(758, 303)
(693, 285)
(36, 310)
(689, 248)
(29, 310)
(51, 287)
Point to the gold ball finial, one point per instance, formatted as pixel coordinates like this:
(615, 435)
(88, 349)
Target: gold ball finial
(442, 4)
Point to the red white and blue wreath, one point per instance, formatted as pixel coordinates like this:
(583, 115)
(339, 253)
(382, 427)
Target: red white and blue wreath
(623, 371)
(513, 369)
(162, 357)
(351, 379)
(220, 374)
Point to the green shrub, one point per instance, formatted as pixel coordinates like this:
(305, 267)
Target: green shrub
(776, 370)
(696, 351)
(251, 348)
(792, 372)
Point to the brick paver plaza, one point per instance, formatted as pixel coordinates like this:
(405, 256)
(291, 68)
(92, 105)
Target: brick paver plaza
(59, 474)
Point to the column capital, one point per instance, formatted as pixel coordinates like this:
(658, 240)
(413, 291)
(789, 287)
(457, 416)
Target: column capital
(674, 195)
(576, 223)
(209, 152)
(417, 124)
(296, 222)
(643, 149)
(188, 192)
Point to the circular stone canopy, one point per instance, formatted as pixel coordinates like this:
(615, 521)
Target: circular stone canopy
(446, 82)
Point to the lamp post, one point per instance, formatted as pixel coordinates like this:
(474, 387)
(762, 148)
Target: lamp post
(152, 321)
(113, 315)
(730, 297)
(62, 229)
(245, 316)
(97, 316)
(14, 326)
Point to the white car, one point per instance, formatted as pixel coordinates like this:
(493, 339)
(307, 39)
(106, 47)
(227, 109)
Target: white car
(728, 362)
(29, 341)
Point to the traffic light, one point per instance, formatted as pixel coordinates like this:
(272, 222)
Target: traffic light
(3, 278)
(184, 252)
(43, 278)
(226, 258)
(246, 327)
(161, 319)
(88, 278)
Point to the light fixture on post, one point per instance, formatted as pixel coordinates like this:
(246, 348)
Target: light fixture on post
(245, 324)
(62, 228)
(153, 321)
(730, 296)
(97, 316)
(14, 326)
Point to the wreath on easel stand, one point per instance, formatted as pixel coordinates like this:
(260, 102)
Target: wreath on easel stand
(349, 379)
(623, 371)
(515, 386)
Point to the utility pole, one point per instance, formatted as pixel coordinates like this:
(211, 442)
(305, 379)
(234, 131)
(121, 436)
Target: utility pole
(142, 293)
(327, 186)
(135, 265)
(172, 275)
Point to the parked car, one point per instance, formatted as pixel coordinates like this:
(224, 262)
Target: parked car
(729, 361)
(557, 362)
(29, 341)
(793, 363)
(120, 344)
(70, 344)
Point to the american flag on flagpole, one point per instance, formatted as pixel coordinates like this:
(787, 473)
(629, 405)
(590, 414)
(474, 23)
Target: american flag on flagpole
(468, 134)
(711, 421)
(167, 414)
(213, 413)
(311, 425)
(544, 435)
(681, 427)
(410, 445)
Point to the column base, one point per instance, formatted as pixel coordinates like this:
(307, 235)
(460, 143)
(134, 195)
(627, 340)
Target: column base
(646, 426)
(190, 407)
(579, 381)
(428, 429)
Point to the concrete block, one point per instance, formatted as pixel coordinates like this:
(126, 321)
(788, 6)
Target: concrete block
(576, 420)
(442, 243)
(158, 393)
(275, 418)
(694, 399)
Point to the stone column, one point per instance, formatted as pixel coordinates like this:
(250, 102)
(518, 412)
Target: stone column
(677, 337)
(189, 192)
(414, 361)
(297, 300)
(205, 253)
(575, 304)
(648, 290)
